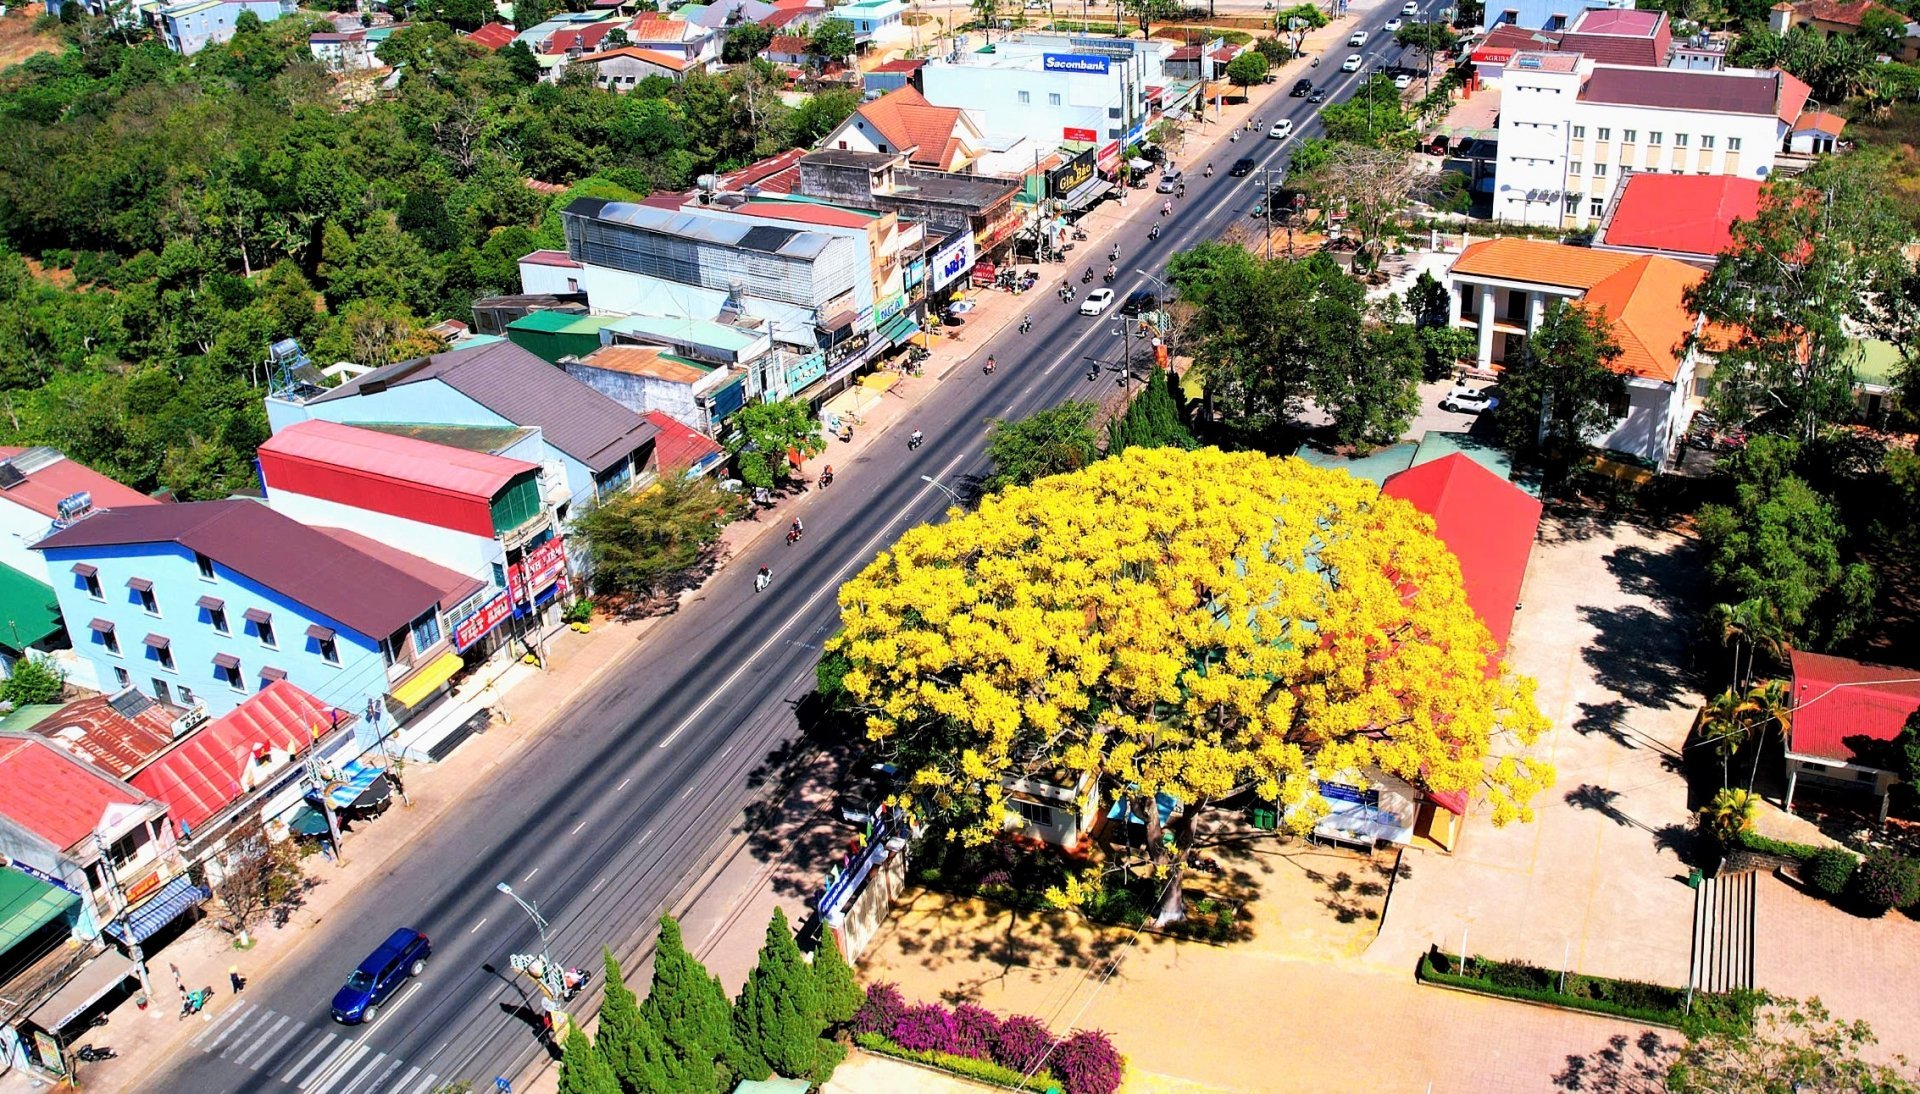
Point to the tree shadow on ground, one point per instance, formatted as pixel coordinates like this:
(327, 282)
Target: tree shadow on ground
(1575, 524)
(1624, 659)
(774, 834)
(1669, 579)
(1624, 1065)
(1674, 837)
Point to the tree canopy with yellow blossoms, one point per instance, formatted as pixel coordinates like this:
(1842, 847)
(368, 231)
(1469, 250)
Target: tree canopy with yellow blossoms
(1184, 623)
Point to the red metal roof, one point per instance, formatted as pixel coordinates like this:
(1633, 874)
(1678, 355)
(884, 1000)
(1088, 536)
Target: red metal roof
(902, 64)
(774, 175)
(1487, 522)
(1685, 214)
(93, 730)
(57, 796)
(492, 36)
(46, 486)
(680, 446)
(805, 213)
(1841, 704)
(207, 770)
(436, 467)
(550, 258)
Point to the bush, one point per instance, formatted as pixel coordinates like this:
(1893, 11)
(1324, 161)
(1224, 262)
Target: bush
(975, 1031)
(1022, 1043)
(925, 1027)
(1623, 998)
(882, 1010)
(1829, 870)
(34, 680)
(1886, 880)
(1087, 1063)
(1754, 841)
(985, 1071)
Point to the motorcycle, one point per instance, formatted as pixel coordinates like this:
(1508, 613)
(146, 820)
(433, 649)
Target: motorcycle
(988, 367)
(1113, 255)
(90, 1054)
(1108, 277)
(1026, 325)
(826, 478)
(1209, 171)
(572, 981)
(1079, 233)
(1093, 374)
(762, 579)
(1153, 232)
(195, 1001)
(915, 441)
(1087, 278)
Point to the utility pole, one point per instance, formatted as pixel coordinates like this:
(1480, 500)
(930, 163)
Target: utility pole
(549, 975)
(325, 785)
(117, 906)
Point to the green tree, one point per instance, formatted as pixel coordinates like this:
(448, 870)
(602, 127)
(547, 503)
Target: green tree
(1275, 51)
(1152, 419)
(518, 56)
(464, 14)
(1373, 394)
(632, 1048)
(986, 11)
(1371, 115)
(1562, 391)
(840, 994)
(530, 13)
(1431, 39)
(1147, 12)
(821, 114)
(641, 541)
(582, 1071)
(1046, 442)
(1247, 69)
(781, 1016)
(1442, 345)
(832, 40)
(1295, 22)
(763, 435)
(1790, 1046)
(33, 680)
(744, 42)
(689, 1009)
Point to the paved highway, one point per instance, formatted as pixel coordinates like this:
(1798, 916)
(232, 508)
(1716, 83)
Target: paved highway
(610, 814)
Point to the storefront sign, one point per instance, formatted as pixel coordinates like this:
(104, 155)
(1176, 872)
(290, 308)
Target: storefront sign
(805, 370)
(1086, 136)
(142, 887)
(540, 567)
(952, 260)
(1074, 62)
(42, 875)
(484, 618)
(848, 347)
(984, 273)
(1068, 177)
(887, 309)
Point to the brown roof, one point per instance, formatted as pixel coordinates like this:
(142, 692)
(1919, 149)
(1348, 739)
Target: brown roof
(902, 64)
(1679, 89)
(302, 564)
(453, 585)
(788, 16)
(1845, 12)
(1615, 49)
(651, 56)
(643, 361)
(908, 121)
(94, 730)
(787, 43)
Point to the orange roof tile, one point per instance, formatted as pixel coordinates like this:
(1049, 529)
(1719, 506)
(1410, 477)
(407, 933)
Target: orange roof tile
(1542, 263)
(652, 28)
(909, 121)
(796, 45)
(651, 56)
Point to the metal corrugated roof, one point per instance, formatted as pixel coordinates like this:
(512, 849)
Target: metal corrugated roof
(417, 463)
(721, 231)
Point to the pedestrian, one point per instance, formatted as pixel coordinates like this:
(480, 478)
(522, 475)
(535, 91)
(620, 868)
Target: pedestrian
(233, 977)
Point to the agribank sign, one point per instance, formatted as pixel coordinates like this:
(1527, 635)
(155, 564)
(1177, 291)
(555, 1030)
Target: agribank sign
(1074, 62)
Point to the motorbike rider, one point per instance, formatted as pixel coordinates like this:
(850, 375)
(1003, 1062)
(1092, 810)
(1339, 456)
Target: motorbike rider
(1166, 208)
(1153, 232)
(1088, 276)
(990, 364)
(826, 477)
(1209, 171)
(764, 578)
(915, 440)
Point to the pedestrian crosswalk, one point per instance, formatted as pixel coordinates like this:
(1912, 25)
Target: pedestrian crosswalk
(314, 1061)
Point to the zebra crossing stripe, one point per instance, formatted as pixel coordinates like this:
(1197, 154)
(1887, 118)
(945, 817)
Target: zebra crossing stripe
(393, 1065)
(304, 1060)
(238, 1021)
(425, 1084)
(339, 1072)
(219, 1020)
(401, 1083)
(272, 1035)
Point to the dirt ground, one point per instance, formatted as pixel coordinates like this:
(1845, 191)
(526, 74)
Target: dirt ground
(17, 39)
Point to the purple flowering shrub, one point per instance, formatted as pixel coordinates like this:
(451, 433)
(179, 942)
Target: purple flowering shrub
(1087, 1063)
(974, 1031)
(881, 1011)
(1022, 1043)
(925, 1027)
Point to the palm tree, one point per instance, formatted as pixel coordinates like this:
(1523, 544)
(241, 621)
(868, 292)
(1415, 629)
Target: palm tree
(1752, 625)
(1722, 724)
(1730, 813)
(1767, 704)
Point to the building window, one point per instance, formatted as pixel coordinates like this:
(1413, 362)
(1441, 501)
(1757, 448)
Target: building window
(1599, 170)
(1573, 204)
(161, 691)
(1596, 207)
(1576, 168)
(1579, 132)
(186, 696)
(426, 633)
(92, 582)
(1653, 137)
(1026, 97)
(499, 576)
(218, 617)
(1604, 133)
(1733, 144)
(1706, 141)
(121, 677)
(164, 655)
(148, 604)
(1031, 812)
(1113, 134)
(205, 565)
(1628, 136)
(1618, 405)
(330, 651)
(1113, 112)
(1053, 98)
(227, 669)
(1679, 140)
(266, 633)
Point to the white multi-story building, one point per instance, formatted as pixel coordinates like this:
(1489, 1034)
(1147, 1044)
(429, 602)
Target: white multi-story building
(1569, 128)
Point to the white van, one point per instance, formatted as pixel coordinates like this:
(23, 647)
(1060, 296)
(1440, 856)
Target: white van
(1358, 39)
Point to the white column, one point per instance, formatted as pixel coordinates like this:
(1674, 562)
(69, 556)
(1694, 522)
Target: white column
(1536, 310)
(1485, 353)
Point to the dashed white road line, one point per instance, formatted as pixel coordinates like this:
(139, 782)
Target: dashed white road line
(477, 926)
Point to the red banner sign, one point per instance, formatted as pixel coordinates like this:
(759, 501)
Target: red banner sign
(543, 563)
(483, 619)
(1072, 134)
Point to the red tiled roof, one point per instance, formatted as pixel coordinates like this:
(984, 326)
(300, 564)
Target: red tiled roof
(1487, 522)
(1684, 214)
(1503, 41)
(907, 120)
(45, 487)
(585, 38)
(1615, 49)
(492, 36)
(784, 17)
(805, 213)
(54, 795)
(91, 729)
(1820, 121)
(208, 770)
(652, 56)
(791, 44)
(1845, 12)
(1619, 22)
(902, 64)
(550, 258)
(774, 175)
(679, 446)
(1841, 704)
(1185, 53)
(389, 458)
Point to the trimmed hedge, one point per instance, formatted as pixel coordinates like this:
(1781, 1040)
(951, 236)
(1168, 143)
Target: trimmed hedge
(1753, 841)
(1830, 869)
(985, 1071)
(1632, 999)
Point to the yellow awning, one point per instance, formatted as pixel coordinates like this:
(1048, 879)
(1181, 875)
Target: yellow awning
(428, 680)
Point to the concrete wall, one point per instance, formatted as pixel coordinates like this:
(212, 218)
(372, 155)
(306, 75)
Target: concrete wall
(462, 552)
(643, 393)
(20, 525)
(869, 911)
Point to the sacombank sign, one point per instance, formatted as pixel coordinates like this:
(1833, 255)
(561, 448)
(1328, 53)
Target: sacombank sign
(1074, 62)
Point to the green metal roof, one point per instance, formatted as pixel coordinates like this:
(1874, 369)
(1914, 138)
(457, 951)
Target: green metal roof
(23, 718)
(700, 332)
(28, 904)
(1877, 364)
(28, 610)
(561, 322)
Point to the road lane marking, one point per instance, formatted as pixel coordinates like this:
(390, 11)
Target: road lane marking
(623, 784)
(338, 1071)
(646, 835)
(425, 1085)
(219, 1020)
(387, 1011)
(577, 828)
(687, 793)
(271, 1036)
(477, 926)
(405, 1079)
(238, 1020)
(317, 1049)
(375, 1072)
(597, 884)
(530, 874)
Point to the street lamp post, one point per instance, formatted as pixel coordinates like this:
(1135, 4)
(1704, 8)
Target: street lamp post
(551, 981)
(950, 492)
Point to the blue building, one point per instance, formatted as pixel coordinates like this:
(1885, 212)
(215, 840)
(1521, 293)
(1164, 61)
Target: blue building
(190, 27)
(206, 603)
(593, 445)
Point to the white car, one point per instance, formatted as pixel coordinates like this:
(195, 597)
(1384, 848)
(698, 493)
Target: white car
(1392, 25)
(1468, 400)
(1096, 302)
(1402, 82)
(1358, 39)
(1410, 9)
(1352, 63)
(1281, 130)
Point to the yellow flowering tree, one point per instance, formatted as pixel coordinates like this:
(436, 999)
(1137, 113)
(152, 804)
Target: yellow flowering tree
(1183, 623)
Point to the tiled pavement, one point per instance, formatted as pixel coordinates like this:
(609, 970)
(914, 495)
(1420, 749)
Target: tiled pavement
(1860, 968)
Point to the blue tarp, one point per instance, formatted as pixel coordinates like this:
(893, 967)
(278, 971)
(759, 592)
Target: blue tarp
(354, 780)
(1162, 805)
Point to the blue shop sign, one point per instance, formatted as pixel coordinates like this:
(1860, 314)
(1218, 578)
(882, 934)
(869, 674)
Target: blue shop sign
(806, 370)
(1074, 62)
(953, 260)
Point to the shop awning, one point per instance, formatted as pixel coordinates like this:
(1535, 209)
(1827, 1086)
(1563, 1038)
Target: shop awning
(1086, 194)
(97, 978)
(167, 904)
(898, 329)
(28, 904)
(428, 680)
(879, 381)
(355, 778)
